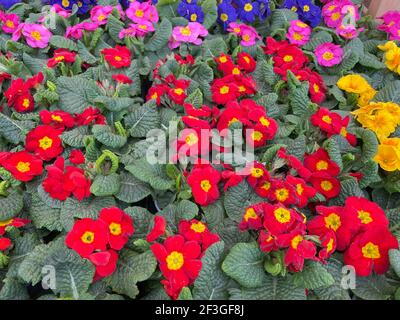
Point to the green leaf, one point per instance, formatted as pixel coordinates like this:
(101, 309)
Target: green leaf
(105, 185)
(13, 289)
(143, 119)
(185, 294)
(209, 7)
(160, 37)
(275, 288)
(391, 92)
(11, 205)
(244, 263)
(44, 216)
(155, 175)
(75, 137)
(33, 64)
(107, 137)
(76, 93)
(370, 143)
(132, 189)
(371, 61)
(142, 220)
(211, 283)
(114, 26)
(14, 131)
(62, 42)
(131, 268)
(394, 256)
(237, 199)
(375, 287)
(281, 19)
(214, 214)
(195, 98)
(349, 188)
(313, 276)
(317, 38)
(333, 149)
(298, 96)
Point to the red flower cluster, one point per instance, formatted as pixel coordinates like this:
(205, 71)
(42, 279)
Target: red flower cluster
(44, 141)
(118, 57)
(61, 182)
(6, 243)
(203, 180)
(290, 57)
(99, 240)
(22, 165)
(61, 56)
(332, 124)
(360, 228)
(281, 228)
(235, 81)
(174, 89)
(179, 256)
(19, 93)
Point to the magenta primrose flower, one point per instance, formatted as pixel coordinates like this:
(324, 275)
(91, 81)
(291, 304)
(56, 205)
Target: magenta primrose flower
(248, 34)
(36, 35)
(298, 32)
(138, 12)
(335, 11)
(60, 11)
(10, 22)
(190, 34)
(137, 30)
(76, 31)
(99, 14)
(391, 24)
(329, 54)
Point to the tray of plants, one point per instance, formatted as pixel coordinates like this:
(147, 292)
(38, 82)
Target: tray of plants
(199, 150)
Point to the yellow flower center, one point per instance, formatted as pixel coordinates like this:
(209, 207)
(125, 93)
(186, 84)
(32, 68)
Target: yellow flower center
(246, 37)
(26, 103)
(223, 59)
(322, 165)
(282, 215)
(65, 3)
(364, 216)
(264, 121)
(179, 91)
(282, 194)
(233, 120)
(115, 228)
(328, 56)
(45, 143)
(329, 245)
(224, 90)
(88, 237)
(36, 35)
(139, 13)
(371, 251)
(101, 17)
(327, 119)
(224, 17)
(288, 58)
(247, 59)
(191, 139)
(175, 261)
(10, 24)
(294, 9)
(299, 189)
(306, 8)
(23, 166)
(117, 58)
(186, 31)
(250, 214)
(335, 16)
(266, 186)
(295, 241)
(343, 132)
(316, 87)
(6, 222)
(248, 7)
(326, 185)
(257, 136)
(257, 172)
(205, 185)
(297, 36)
(60, 58)
(154, 96)
(56, 118)
(235, 71)
(198, 227)
(193, 17)
(332, 221)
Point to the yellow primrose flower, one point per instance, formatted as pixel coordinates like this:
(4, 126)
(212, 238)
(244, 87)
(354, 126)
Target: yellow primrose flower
(388, 156)
(354, 83)
(366, 97)
(392, 56)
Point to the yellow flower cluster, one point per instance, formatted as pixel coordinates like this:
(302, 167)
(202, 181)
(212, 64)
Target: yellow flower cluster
(392, 56)
(388, 155)
(354, 83)
(380, 117)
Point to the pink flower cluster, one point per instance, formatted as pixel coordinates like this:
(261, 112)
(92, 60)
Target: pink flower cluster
(248, 34)
(329, 54)
(299, 32)
(342, 15)
(144, 15)
(189, 34)
(391, 24)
